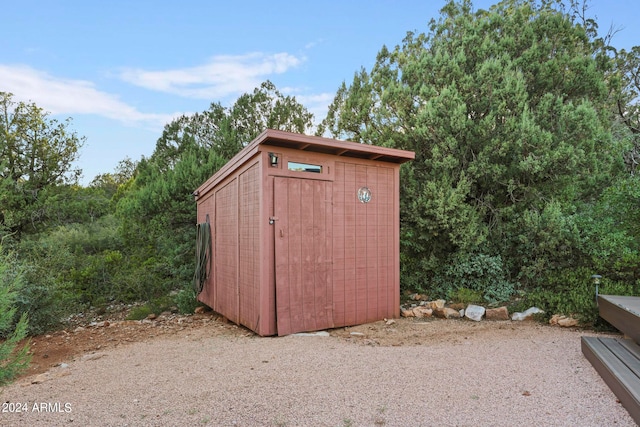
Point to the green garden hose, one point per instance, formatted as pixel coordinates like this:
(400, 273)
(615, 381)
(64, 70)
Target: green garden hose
(203, 254)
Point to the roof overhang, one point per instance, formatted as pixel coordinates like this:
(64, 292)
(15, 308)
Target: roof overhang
(314, 144)
(317, 144)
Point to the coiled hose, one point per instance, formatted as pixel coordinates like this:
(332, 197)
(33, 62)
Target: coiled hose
(203, 254)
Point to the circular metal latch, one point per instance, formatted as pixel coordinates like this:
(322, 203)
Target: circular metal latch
(364, 194)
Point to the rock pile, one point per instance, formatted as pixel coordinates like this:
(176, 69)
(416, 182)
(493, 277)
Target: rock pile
(421, 307)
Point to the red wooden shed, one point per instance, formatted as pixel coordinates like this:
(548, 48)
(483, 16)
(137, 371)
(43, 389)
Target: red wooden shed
(304, 234)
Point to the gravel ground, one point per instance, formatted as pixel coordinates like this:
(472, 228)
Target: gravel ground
(445, 373)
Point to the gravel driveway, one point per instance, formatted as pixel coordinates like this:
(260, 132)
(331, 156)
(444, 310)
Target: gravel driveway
(443, 373)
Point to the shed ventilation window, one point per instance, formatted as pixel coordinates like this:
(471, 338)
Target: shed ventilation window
(304, 167)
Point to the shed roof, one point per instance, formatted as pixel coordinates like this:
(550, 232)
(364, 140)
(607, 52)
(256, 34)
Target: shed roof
(336, 147)
(315, 144)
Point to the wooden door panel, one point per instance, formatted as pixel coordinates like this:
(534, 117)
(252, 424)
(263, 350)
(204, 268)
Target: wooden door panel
(303, 255)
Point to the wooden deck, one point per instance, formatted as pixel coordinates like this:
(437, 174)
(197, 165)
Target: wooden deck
(623, 313)
(617, 360)
(618, 363)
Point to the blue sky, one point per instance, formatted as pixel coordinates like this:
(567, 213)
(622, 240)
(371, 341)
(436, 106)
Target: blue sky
(122, 69)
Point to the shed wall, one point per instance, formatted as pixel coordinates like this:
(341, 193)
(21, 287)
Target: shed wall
(249, 247)
(225, 256)
(365, 268)
(339, 257)
(233, 289)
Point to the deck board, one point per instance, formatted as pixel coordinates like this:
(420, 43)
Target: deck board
(618, 363)
(623, 312)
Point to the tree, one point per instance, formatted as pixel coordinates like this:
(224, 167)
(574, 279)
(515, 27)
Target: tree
(36, 153)
(111, 182)
(627, 103)
(157, 209)
(227, 130)
(507, 111)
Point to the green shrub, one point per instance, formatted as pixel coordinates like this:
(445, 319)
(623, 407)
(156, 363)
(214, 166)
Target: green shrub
(48, 295)
(478, 273)
(466, 296)
(186, 301)
(140, 312)
(572, 292)
(155, 306)
(12, 361)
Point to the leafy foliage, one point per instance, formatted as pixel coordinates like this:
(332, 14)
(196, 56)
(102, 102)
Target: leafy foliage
(572, 292)
(468, 273)
(36, 154)
(507, 110)
(12, 361)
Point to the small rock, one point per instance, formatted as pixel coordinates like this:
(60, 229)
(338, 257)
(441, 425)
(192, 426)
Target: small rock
(564, 321)
(422, 312)
(151, 316)
(308, 334)
(527, 314)
(356, 334)
(389, 322)
(474, 312)
(39, 379)
(78, 329)
(568, 322)
(200, 309)
(49, 375)
(436, 304)
(446, 313)
(407, 313)
(500, 313)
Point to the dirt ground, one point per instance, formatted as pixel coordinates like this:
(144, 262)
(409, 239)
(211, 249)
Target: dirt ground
(202, 370)
(101, 333)
(104, 332)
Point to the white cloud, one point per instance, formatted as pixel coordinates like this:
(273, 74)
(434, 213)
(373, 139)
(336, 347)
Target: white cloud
(313, 44)
(65, 96)
(222, 76)
(317, 104)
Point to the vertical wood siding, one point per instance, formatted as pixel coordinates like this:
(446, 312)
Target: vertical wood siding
(364, 281)
(328, 260)
(249, 247)
(303, 255)
(226, 254)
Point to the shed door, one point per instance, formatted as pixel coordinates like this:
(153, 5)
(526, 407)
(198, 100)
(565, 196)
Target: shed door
(303, 255)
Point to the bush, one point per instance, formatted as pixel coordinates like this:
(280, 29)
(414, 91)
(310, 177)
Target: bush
(12, 361)
(47, 296)
(572, 292)
(186, 301)
(478, 273)
(155, 306)
(466, 296)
